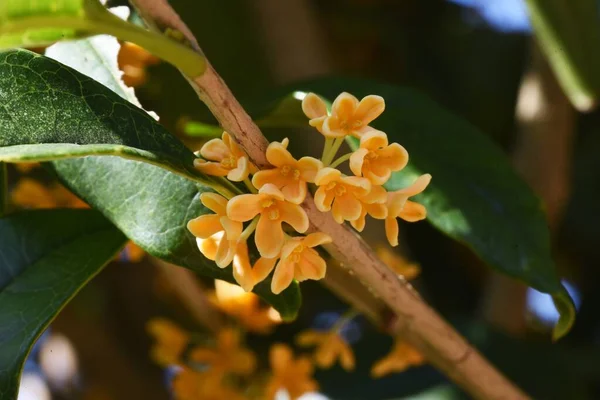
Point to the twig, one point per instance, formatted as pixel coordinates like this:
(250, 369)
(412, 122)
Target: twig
(420, 324)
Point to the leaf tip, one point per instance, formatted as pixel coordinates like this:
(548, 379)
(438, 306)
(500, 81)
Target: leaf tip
(566, 309)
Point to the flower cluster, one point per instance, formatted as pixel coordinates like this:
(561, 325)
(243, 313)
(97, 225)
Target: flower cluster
(273, 209)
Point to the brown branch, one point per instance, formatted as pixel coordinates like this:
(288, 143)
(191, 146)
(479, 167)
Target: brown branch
(419, 324)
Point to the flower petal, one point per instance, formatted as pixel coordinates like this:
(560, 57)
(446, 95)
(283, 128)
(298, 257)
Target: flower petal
(278, 155)
(327, 175)
(418, 186)
(215, 150)
(241, 171)
(413, 212)
(262, 268)
(394, 156)
(214, 202)
(205, 226)
(309, 338)
(360, 186)
(280, 357)
(378, 194)
(271, 191)
(313, 106)
(356, 161)
(346, 357)
(269, 237)
(392, 230)
(210, 168)
(309, 167)
(318, 123)
(283, 276)
(244, 207)
(290, 245)
(294, 215)
(272, 176)
(242, 270)
(344, 106)
(323, 199)
(225, 252)
(373, 140)
(233, 229)
(316, 239)
(295, 191)
(359, 223)
(369, 108)
(311, 266)
(208, 247)
(376, 210)
(332, 129)
(346, 208)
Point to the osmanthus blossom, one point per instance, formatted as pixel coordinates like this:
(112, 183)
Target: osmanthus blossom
(330, 346)
(210, 226)
(375, 159)
(299, 260)
(397, 263)
(171, 341)
(224, 157)
(402, 357)
(228, 356)
(289, 175)
(190, 384)
(245, 307)
(246, 274)
(348, 115)
(344, 195)
(289, 374)
(399, 206)
(272, 208)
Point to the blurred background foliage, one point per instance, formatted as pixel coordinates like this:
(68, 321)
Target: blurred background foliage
(471, 57)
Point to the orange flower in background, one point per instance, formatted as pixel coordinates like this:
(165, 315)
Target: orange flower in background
(289, 175)
(245, 307)
(341, 194)
(171, 341)
(399, 206)
(351, 117)
(224, 157)
(300, 260)
(330, 346)
(246, 274)
(375, 159)
(397, 263)
(293, 376)
(228, 356)
(402, 357)
(315, 109)
(206, 226)
(30, 193)
(273, 209)
(193, 385)
(133, 61)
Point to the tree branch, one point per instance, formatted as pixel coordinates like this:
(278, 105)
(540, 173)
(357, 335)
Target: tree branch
(419, 324)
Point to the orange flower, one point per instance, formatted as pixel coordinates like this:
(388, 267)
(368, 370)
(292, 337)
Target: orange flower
(193, 385)
(290, 175)
(343, 195)
(225, 158)
(402, 357)
(399, 206)
(300, 261)
(294, 376)
(273, 209)
(351, 117)
(247, 275)
(315, 108)
(375, 210)
(133, 61)
(206, 226)
(330, 346)
(375, 159)
(32, 194)
(397, 263)
(171, 341)
(245, 307)
(228, 356)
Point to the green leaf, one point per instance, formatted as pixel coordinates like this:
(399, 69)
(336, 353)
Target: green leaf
(30, 23)
(475, 196)
(152, 207)
(46, 258)
(51, 111)
(569, 34)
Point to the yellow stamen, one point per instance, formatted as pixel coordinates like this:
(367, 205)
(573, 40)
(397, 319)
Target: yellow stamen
(285, 170)
(273, 213)
(330, 185)
(340, 190)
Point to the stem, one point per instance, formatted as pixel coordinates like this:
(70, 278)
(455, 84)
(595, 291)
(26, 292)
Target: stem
(340, 160)
(250, 186)
(326, 148)
(337, 143)
(344, 319)
(249, 229)
(422, 327)
(3, 189)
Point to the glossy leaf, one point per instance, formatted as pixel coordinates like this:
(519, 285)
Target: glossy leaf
(31, 23)
(51, 111)
(46, 258)
(152, 207)
(569, 34)
(475, 196)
